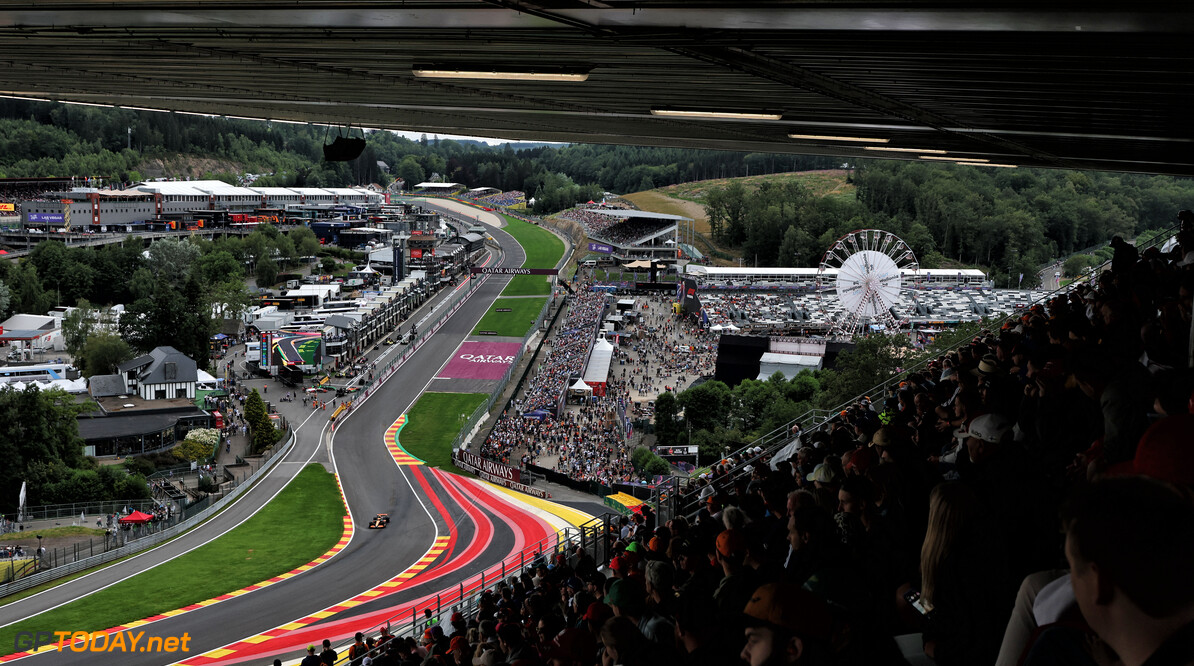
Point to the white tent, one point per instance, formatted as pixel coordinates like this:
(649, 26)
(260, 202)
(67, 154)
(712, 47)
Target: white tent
(580, 385)
(717, 328)
(207, 382)
(600, 359)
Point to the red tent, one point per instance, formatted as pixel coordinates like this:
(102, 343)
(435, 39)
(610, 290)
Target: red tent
(137, 517)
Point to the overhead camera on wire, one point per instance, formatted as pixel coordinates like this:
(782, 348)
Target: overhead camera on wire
(343, 148)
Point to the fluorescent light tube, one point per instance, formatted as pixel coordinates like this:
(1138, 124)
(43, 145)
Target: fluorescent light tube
(717, 115)
(819, 137)
(928, 151)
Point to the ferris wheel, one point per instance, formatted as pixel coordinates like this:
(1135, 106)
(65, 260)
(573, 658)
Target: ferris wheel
(859, 279)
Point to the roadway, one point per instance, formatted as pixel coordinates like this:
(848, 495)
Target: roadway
(423, 503)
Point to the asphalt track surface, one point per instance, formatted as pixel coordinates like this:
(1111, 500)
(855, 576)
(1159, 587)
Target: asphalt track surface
(475, 529)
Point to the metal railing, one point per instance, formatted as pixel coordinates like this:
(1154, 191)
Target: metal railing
(75, 509)
(815, 419)
(145, 543)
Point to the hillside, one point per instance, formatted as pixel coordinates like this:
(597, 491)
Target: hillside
(829, 182)
(687, 199)
(186, 165)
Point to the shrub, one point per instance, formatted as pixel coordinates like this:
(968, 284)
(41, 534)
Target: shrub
(200, 444)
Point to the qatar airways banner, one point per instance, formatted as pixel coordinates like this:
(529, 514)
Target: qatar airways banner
(493, 468)
(481, 360)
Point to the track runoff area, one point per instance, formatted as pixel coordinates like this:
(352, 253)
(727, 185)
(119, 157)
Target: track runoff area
(463, 533)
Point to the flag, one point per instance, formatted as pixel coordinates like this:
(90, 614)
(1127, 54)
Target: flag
(21, 504)
(1021, 278)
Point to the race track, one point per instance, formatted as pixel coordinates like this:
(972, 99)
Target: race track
(444, 530)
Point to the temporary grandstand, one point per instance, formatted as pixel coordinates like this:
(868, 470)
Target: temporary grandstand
(633, 233)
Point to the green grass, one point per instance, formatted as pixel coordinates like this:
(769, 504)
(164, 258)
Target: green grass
(433, 422)
(515, 323)
(543, 250)
(300, 524)
(69, 530)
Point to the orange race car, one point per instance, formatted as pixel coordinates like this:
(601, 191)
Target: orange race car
(379, 521)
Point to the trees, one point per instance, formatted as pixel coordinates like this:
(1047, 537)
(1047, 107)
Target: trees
(36, 426)
(1077, 265)
(262, 429)
(706, 405)
(200, 444)
(171, 259)
(77, 326)
(102, 353)
(873, 359)
(667, 429)
(266, 272)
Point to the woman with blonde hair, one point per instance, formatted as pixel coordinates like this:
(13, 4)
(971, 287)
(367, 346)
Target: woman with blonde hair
(963, 571)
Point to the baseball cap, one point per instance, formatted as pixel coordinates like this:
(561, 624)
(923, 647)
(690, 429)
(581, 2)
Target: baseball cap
(989, 428)
(310, 648)
(618, 563)
(655, 545)
(598, 611)
(456, 617)
(1165, 452)
(460, 642)
(822, 473)
(861, 460)
(790, 607)
(731, 542)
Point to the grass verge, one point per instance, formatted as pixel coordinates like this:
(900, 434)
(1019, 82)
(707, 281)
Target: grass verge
(69, 530)
(543, 249)
(514, 323)
(300, 524)
(433, 422)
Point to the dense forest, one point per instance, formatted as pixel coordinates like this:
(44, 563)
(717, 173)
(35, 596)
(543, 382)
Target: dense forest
(1006, 221)
(123, 145)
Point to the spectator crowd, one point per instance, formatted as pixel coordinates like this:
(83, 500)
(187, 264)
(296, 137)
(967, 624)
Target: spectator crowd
(1025, 499)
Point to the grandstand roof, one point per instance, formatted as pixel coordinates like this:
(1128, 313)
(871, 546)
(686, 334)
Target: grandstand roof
(276, 191)
(478, 190)
(438, 186)
(1049, 83)
(638, 214)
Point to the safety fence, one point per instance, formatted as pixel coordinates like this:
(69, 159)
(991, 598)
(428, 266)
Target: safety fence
(73, 510)
(57, 570)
